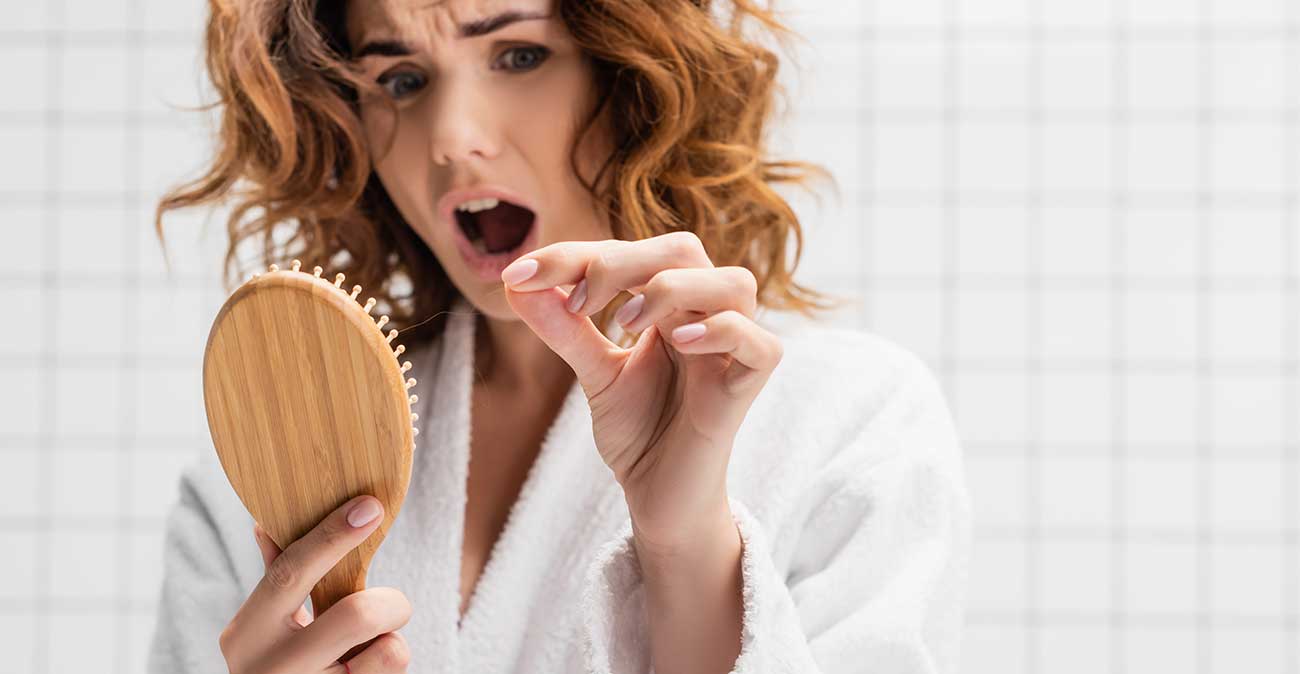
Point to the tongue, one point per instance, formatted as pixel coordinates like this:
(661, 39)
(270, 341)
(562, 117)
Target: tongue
(504, 226)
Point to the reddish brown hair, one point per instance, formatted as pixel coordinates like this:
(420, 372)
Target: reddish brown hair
(691, 96)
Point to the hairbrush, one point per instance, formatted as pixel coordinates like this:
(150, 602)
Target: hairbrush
(308, 407)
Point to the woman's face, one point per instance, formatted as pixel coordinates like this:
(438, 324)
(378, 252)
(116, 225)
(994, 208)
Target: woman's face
(481, 104)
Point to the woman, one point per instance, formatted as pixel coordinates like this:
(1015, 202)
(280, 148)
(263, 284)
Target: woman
(567, 208)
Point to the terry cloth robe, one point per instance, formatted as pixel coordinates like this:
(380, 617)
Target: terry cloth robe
(845, 482)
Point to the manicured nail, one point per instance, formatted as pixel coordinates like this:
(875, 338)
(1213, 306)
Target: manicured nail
(364, 513)
(688, 332)
(519, 271)
(578, 297)
(630, 310)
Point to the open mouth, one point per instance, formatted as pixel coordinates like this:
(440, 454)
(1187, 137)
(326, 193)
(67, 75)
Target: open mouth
(497, 229)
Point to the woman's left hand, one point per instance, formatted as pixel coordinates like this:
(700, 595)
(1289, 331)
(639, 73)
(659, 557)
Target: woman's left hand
(665, 411)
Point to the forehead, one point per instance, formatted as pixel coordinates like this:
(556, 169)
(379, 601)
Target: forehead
(413, 19)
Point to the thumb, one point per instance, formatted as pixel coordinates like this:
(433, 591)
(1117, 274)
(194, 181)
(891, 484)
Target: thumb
(269, 552)
(268, 547)
(575, 338)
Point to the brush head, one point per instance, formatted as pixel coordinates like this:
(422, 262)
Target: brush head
(308, 407)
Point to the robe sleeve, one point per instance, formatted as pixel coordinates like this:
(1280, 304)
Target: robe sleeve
(200, 591)
(872, 577)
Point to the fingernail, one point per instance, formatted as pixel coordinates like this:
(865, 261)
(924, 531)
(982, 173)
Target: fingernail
(364, 513)
(578, 297)
(519, 271)
(688, 332)
(630, 310)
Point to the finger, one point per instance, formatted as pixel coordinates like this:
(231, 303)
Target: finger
(354, 619)
(602, 269)
(674, 291)
(593, 358)
(730, 332)
(269, 552)
(293, 573)
(388, 654)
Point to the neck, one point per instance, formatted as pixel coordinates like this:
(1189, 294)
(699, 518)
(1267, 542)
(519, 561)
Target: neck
(509, 356)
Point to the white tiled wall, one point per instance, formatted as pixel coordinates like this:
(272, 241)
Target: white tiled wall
(1082, 213)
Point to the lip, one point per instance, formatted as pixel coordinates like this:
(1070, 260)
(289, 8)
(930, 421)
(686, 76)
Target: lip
(486, 268)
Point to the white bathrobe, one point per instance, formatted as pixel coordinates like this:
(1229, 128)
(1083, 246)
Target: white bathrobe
(845, 481)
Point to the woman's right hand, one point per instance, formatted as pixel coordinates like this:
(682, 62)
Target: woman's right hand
(272, 632)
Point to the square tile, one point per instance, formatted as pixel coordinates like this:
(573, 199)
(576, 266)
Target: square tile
(1244, 580)
(28, 175)
(1248, 12)
(1161, 326)
(25, 338)
(1255, 650)
(1075, 577)
(992, 157)
(1072, 13)
(93, 241)
(90, 320)
(911, 317)
(82, 642)
(1076, 649)
(31, 79)
(17, 630)
(1077, 75)
(93, 159)
(1077, 242)
(990, 411)
(1248, 243)
(993, 75)
(1076, 413)
(1163, 157)
(1160, 578)
(905, 241)
(997, 487)
(1246, 496)
(25, 228)
(1076, 491)
(184, 333)
(1160, 649)
(83, 565)
(1162, 243)
(1076, 325)
(907, 158)
(991, 324)
(1160, 414)
(169, 402)
(1248, 416)
(1161, 494)
(1249, 326)
(1249, 158)
(1077, 158)
(18, 564)
(1247, 72)
(1164, 74)
(22, 469)
(993, 647)
(89, 403)
(146, 572)
(997, 577)
(993, 242)
(94, 78)
(22, 405)
(87, 483)
(155, 475)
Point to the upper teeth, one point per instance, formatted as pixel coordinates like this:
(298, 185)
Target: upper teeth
(476, 205)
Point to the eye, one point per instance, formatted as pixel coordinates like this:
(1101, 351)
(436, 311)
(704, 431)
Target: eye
(524, 58)
(403, 83)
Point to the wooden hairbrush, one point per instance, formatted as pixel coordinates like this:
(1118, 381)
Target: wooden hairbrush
(309, 408)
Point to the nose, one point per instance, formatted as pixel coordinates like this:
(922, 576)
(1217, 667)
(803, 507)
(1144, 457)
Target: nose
(462, 126)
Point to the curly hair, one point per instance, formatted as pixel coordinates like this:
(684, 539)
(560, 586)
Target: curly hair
(690, 96)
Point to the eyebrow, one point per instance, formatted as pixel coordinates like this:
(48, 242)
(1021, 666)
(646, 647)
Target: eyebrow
(467, 30)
